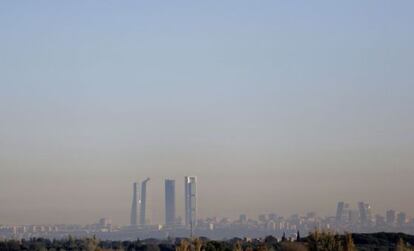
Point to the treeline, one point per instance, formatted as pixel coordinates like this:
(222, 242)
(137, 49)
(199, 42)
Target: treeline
(316, 241)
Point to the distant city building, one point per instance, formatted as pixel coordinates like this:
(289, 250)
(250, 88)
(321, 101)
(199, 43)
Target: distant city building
(190, 183)
(262, 218)
(134, 208)
(273, 216)
(342, 212)
(339, 211)
(243, 219)
(365, 213)
(311, 215)
(401, 219)
(353, 216)
(143, 201)
(105, 223)
(170, 219)
(390, 217)
(379, 220)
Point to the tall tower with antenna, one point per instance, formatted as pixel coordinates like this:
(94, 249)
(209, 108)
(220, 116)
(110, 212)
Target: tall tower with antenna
(190, 184)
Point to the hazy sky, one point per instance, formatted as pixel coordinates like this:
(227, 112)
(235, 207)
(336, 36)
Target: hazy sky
(276, 106)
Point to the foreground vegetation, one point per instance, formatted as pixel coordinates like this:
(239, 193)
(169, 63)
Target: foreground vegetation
(316, 241)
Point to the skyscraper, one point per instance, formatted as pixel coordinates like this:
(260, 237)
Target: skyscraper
(390, 218)
(143, 201)
(401, 219)
(365, 213)
(190, 183)
(169, 202)
(134, 208)
(342, 213)
(339, 211)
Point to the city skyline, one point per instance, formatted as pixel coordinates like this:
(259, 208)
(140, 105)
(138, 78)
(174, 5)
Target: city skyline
(181, 215)
(358, 218)
(275, 106)
(362, 213)
(190, 207)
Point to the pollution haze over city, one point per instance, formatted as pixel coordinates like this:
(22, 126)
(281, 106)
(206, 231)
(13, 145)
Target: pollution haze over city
(266, 107)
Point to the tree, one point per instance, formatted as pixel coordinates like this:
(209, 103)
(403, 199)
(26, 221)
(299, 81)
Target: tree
(92, 244)
(237, 247)
(183, 246)
(293, 246)
(324, 241)
(401, 246)
(198, 244)
(284, 237)
(349, 243)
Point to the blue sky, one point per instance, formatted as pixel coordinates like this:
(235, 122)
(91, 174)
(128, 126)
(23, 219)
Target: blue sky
(102, 93)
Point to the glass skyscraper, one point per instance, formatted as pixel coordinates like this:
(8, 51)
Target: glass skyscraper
(134, 208)
(143, 201)
(169, 202)
(190, 183)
